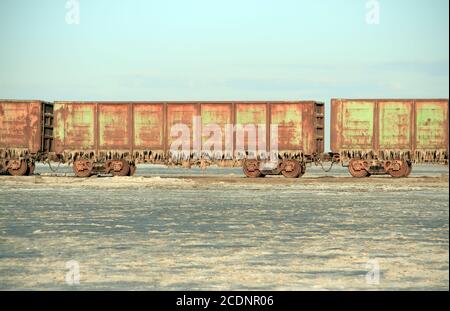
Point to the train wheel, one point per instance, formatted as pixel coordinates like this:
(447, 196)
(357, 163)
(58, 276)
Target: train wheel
(251, 169)
(398, 169)
(132, 170)
(119, 168)
(83, 168)
(357, 169)
(17, 167)
(292, 169)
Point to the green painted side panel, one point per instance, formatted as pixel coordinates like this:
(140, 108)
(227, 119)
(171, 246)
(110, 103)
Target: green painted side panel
(288, 117)
(357, 125)
(219, 114)
(395, 125)
(216, 115)
(251, 114)
(431, 125)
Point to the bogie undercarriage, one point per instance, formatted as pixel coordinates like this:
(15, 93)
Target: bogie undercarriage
(289, 168)
(116, 167)
(252, 168)
(359, 168)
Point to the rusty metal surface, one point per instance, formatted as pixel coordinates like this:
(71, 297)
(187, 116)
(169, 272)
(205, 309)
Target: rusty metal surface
(20, 126)
(74, 126)
(114, 127)
(352, 125)
(148, 126)
(300, 126)
(395, 125)
(216, 114)
(416, 130)
(177, 114)
(289, 118)
(252, 115)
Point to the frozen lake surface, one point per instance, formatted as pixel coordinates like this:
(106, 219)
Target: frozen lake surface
(214, 230)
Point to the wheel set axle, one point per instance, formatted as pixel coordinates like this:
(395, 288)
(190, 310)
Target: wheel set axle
(365, 168)
(86, 168)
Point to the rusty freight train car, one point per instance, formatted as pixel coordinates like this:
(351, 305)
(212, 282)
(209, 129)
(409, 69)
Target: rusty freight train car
(113, 137)
(374, 136)
(26, 134)
(369, 136)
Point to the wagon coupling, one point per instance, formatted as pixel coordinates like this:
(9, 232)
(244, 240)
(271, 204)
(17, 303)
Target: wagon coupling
(54, 170)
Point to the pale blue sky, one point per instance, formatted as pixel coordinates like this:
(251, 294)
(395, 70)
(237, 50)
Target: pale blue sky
(223, 50)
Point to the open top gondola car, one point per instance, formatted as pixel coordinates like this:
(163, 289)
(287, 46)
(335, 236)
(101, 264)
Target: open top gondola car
(113, 137)
(373, 136)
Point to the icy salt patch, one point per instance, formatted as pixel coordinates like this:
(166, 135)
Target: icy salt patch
(116, 182)
(93, 182)
(137, 181)
(39, 231)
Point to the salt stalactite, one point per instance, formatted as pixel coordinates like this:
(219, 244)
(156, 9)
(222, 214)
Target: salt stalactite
(431, 156)
(201, 159)
(205, 159)
(419, 156)
(15, 153)
(195, 158)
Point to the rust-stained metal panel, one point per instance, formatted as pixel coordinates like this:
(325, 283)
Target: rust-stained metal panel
(252, 117)
(181, 114)
(432, 125)
(74, 126)
(114, 126)
(395, 119)
(358, 125)
(300, 126)
(20, 125)
(336, 125)
(148, 126)
(352, 125)
(215, 118)
(289, 119)
(59, 127)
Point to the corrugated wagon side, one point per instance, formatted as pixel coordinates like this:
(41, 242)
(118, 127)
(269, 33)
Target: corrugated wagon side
(25, 134)
(376, 136)
(113, 137)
